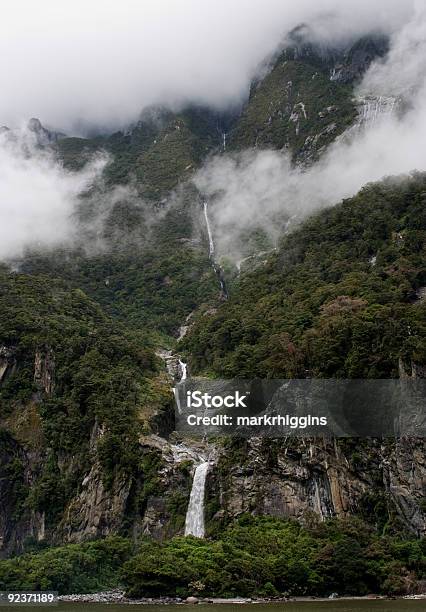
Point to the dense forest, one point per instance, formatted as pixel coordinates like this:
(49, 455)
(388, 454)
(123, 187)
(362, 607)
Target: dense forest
(265, 557)
(340, 298)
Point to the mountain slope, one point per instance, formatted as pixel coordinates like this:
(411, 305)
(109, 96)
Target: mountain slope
(338, 299)
(306, 99)
(159, 151)
(76, 392)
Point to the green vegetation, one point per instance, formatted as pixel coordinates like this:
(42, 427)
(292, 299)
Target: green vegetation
(75, 568)
(254, 556)
(82, 386)
(322, 306)
(270, 557)
(160, 151)
(146, 277)
(72, 369)
(146, 269)
(295, 107)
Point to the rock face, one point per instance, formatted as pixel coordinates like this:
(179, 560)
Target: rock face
(319, 479)
(15, 476)
(42, 135)
(7, 362)
(33, 136)
(154, 503)
(357, 59)
(44, 369)
(301, 104)
(308, 480)
(97, 511)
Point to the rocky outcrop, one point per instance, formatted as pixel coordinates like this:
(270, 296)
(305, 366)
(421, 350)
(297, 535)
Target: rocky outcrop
(97, 511)
(42, 135)
(32, 136)
(404, 479)
(321, 478)
(411, 370)
(44, 369)
(17, 523)
(8, 362)
(347, 63)
(358, 58)
(308, 480)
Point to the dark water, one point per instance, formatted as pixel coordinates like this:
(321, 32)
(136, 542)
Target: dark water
(400, 605)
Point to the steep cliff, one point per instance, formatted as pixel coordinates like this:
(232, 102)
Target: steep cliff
(382, 481)
(77, 391)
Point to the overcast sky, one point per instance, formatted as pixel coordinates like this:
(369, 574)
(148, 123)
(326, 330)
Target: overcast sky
(250, 188)
(101, 61)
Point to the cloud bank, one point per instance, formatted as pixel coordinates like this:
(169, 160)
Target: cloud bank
(99, 63)
(250, 189)
(37, 197)
(76, 63)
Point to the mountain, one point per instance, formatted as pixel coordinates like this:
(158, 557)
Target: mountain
(93, 336)
(335, 300)
(35, 134)
(306, 99)
(162, 149)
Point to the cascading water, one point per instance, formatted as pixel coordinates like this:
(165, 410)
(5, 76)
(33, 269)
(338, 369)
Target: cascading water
(194, 522)
(184, 370)
(215, 266)
(375, 107)
(209, 231)
(372, 109)
(183, 375)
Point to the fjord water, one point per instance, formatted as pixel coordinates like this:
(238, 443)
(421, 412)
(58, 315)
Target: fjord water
(365, 605)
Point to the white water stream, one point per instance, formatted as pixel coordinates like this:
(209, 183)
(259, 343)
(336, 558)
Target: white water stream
(184, 370)
(216, 267)
(194, 522)
(209, 231)
(373, 108)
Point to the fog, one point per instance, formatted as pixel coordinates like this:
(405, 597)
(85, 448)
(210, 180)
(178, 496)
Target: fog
(37, 197)
(90, 65)
(250, 188)
(78, 64)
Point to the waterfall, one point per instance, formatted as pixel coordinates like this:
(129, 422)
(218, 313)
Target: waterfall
(183, 368)
(375, 107)
(194, 522)
(372, 109)
(209, 232)
(177, 399)
(183, 371)
(216, 267)
(317, 498)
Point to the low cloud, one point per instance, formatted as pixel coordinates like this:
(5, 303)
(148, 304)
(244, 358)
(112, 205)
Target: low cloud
(99, 63)
(37, 196)
(250, 189)
(78, 64)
